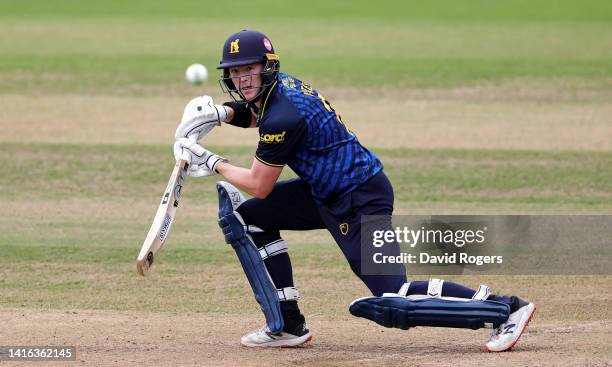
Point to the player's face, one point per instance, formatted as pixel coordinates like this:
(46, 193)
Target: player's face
(247, 79)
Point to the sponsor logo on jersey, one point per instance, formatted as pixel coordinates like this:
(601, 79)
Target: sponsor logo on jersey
(272, 138)
(234, 48)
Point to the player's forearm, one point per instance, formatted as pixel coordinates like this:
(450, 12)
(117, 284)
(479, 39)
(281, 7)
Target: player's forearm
(239, 115)
(244, 179)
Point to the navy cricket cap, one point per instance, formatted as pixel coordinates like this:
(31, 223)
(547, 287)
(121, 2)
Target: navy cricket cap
(246, 47)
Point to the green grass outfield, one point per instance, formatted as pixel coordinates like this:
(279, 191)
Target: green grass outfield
(448, 176)
(76, 217)
(106, 46)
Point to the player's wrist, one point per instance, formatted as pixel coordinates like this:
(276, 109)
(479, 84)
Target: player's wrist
(213, 161)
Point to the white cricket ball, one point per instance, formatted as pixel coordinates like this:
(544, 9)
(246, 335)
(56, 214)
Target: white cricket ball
(196, 74)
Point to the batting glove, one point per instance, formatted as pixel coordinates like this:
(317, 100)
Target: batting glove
(202, 162)
(200, 116)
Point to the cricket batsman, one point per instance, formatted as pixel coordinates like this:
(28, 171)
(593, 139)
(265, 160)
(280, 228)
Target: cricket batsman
(339, 180)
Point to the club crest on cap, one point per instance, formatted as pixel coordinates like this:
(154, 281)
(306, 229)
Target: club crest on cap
(234, 49)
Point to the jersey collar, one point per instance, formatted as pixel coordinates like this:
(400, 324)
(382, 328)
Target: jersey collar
(262, 110)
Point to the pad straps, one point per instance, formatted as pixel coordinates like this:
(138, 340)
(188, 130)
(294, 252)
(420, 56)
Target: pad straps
(482, 293)
(434, 289)
(273, 248)
(247, 227)
(288, 294)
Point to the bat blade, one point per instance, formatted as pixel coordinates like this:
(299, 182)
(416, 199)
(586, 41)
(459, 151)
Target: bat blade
(162, 221)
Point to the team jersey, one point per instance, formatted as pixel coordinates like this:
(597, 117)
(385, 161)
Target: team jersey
(299, 128)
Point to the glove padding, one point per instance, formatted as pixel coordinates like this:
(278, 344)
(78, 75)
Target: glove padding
(200, 165)
(200, 116)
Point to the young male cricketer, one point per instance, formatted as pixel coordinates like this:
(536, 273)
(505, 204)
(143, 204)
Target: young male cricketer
(338, 181)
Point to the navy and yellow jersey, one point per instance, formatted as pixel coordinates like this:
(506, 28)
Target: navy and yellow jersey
(299, 128)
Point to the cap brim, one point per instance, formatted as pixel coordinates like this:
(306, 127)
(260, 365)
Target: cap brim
(240, 62)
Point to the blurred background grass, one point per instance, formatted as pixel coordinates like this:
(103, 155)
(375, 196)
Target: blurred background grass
(102, 46)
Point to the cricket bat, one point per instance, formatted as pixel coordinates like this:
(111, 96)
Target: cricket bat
(165, 215)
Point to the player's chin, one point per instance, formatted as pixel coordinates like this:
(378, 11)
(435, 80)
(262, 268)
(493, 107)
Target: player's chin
(249, 93)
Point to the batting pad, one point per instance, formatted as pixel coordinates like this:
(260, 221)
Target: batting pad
(265, 292)
(404, 313)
